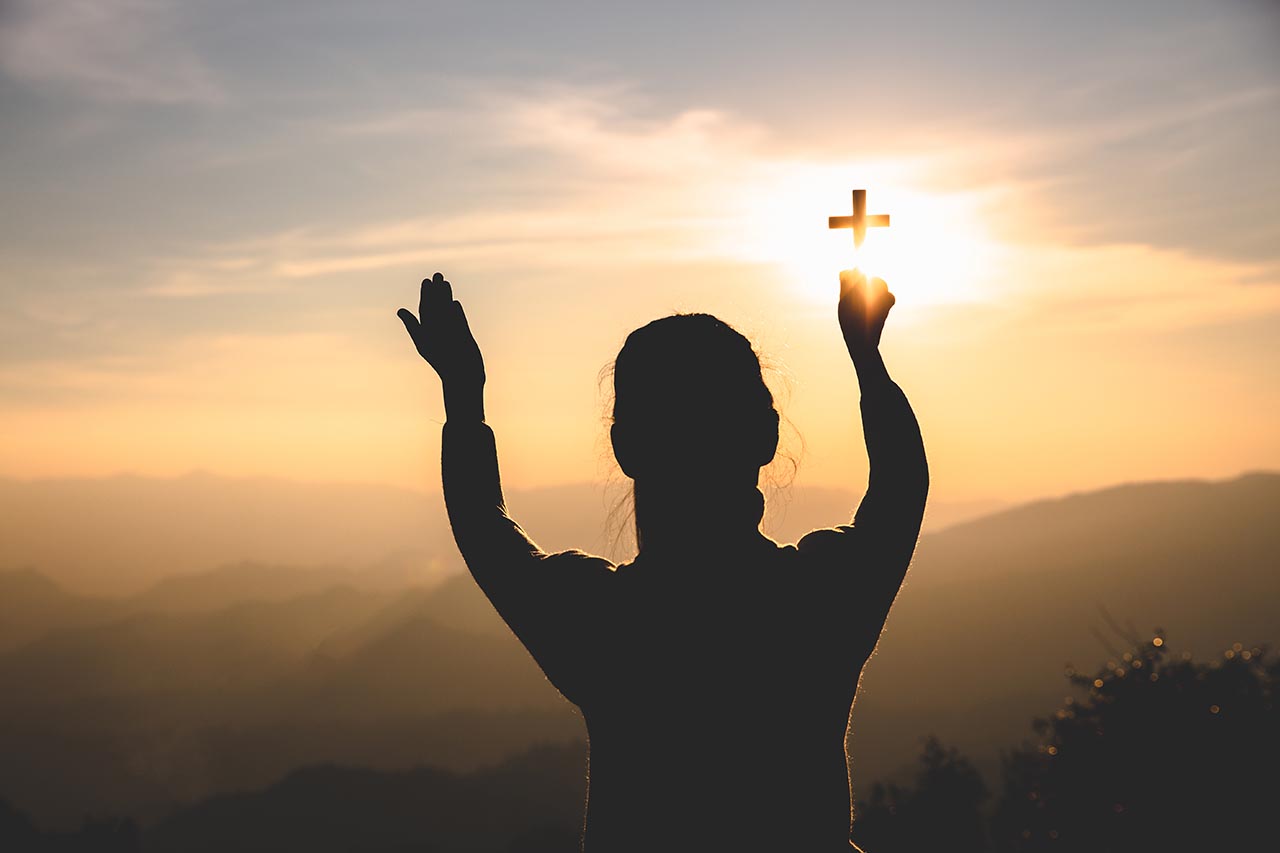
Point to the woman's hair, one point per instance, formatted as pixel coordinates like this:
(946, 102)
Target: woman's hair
(690, 399)
(693, 369)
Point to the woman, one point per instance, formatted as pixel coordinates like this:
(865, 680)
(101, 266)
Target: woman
(717, 670)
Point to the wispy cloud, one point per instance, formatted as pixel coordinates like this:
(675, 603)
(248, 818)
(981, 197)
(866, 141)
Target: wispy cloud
(613, 187)
(704, 185)
(109, 50)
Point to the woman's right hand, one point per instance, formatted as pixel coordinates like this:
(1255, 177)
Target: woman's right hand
(863, 307)
(442, 336)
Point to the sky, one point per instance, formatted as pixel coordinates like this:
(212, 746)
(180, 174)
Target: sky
(213, 210)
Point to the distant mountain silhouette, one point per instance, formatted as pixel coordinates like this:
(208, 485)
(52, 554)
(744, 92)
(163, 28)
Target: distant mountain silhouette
(235, 648)
(185, 704)
(407, 661)
(31, 605)
(127, 706)
(531, 803)
(456, 604)
(990, 606)
(132, 532)
(247, 581)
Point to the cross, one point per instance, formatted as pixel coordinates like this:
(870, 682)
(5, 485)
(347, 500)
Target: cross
(859, 222)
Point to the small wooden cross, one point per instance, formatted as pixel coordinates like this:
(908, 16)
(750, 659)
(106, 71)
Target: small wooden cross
(859, 222)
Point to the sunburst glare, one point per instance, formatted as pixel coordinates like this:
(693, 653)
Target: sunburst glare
(935, 251)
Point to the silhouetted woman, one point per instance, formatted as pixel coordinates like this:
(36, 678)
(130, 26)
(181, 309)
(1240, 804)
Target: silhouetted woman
(717, 670)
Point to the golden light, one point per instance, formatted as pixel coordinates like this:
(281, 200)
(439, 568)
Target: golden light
(937, 249)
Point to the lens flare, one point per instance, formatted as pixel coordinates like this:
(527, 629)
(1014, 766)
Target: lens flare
(936, 250)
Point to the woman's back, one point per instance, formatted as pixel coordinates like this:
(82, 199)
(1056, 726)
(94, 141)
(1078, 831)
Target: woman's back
(719, 703)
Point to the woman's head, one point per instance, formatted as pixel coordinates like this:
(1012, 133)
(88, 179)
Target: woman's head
(690, 403)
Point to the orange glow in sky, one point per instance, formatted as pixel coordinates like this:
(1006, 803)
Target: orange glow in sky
(208, 245)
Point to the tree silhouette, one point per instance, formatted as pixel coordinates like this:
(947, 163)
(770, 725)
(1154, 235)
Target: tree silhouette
(1159, 753)
(1155, 752)
(18, 834)
(943, 811)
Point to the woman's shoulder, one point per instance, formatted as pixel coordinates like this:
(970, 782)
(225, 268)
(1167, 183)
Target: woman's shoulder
(825, 540)
(575, 572)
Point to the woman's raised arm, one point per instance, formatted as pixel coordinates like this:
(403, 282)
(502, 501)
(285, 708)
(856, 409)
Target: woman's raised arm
(871, 555)
(891, 512)
(496, 550)
(541, 596)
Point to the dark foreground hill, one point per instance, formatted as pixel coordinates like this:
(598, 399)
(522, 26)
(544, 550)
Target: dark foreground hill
(531, 802)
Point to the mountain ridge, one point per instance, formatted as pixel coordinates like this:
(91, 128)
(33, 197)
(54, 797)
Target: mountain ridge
(188, 702)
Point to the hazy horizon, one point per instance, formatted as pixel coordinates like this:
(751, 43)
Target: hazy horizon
(133, 533)
(612, 484)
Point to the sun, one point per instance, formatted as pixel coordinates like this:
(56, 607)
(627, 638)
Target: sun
(935, 251)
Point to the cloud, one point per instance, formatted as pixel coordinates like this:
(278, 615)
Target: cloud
(1186, 176)
(106, 50)
(1131, 288)
(585, 177)
(704, 186)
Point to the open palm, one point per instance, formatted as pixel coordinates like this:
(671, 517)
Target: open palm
(442, 336)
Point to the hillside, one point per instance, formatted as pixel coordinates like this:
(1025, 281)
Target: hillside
(529, 802)
(150, 708)
(994, 609)
(181, 692)
(32, 604)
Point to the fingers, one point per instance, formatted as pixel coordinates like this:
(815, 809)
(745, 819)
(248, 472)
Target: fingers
(878, 291)
(436, 295)
(411, 324)
(873, 292)
(461, 317)
(850, 279)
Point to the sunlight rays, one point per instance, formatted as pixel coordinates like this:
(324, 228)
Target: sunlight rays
(786, 226)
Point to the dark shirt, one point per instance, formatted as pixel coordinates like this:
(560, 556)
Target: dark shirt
(716, 681)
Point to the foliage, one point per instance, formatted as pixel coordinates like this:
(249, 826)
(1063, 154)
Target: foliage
(942, 811)
(1159, 753)
(1154, 752)
(95, 835)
